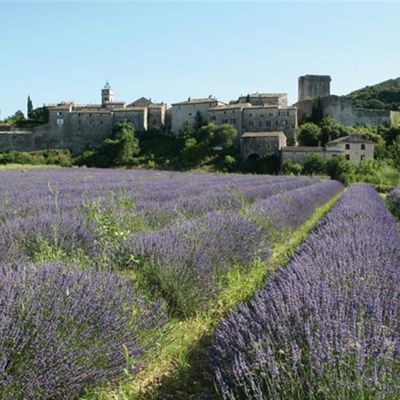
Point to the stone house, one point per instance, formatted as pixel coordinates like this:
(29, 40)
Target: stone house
(265, 99)
(260, 144)
(186, 111)
(354, 148)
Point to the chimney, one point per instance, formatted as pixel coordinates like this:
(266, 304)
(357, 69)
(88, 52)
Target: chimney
(189, 99)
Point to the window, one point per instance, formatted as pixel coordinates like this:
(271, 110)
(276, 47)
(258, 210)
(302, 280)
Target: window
(59, 113)
(190, 114)
(363, 146)
(283, 113)
(250, 115)
(347, 157)
(286, 122)
(347, 146)
(276, 123)
(60, 121)
(251, 123)
(259, 123)
(233, 120)
(268, 123)
(362, 157)
(101, 122)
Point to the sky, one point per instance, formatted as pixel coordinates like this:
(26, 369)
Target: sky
(168, 51)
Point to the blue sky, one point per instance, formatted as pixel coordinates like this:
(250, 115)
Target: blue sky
(168, 51)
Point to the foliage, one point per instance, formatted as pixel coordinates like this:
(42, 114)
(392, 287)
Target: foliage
(66, 329)
(384, 95)
(309, 134)
(29, 107)
(288, 167)
(314, 331)
(40, 157)
(122, 146)
(314, 165)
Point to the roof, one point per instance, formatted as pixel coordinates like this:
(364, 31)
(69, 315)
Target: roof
(107, 86)
(322, 77)
(198, 101)
(141, 102)
(263, 134)
(351, 139)
(230, 106)
(128, 109)
(303, 149)
(264, 95)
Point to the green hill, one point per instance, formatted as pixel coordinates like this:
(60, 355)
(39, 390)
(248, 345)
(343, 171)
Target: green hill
(384, 95)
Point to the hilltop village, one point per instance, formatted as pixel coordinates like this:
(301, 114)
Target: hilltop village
(265, 122)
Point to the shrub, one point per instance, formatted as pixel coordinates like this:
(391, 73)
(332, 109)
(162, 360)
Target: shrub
(63, 330)
(326, 326)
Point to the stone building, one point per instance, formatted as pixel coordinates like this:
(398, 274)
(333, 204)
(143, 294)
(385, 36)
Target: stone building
(272, 115)
(354, 148)
(187, 111)
(265, 99)
(260, 144)
(315, 100)
(314, 86)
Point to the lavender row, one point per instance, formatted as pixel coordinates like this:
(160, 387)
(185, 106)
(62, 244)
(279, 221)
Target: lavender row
(327, 325)
(187, 261)
(288, 210)
(51, 208)
(64, 330)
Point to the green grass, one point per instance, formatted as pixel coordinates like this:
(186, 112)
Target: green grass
(178, 370)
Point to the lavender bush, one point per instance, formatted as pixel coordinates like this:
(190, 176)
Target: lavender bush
(53, 207)
(186, 261)
(327, 325)
(288, 210)
(62, 330)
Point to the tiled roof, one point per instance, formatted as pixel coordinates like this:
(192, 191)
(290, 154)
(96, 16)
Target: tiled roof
(351, 139)
(263, 134)
(303, 149)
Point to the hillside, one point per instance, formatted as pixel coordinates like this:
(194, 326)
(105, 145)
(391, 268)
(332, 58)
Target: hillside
(384, 95)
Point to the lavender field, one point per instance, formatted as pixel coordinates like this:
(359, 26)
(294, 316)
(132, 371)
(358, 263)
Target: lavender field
(327, 325)
(100, 268)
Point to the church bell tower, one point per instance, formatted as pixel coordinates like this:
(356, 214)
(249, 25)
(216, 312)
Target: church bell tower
(107, 95)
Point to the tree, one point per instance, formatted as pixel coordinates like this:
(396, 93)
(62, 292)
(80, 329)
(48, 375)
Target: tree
(309, 134)
(123, 145)
(340, 169)
(224, 136)
(314, 165)
(198, 121)
(331, 129)
(29, 107)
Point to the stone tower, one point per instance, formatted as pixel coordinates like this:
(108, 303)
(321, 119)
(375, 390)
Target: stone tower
(107, 95)
(314, 86)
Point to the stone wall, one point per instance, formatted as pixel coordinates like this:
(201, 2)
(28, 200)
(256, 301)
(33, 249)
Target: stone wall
(344, 112)
(299, 154)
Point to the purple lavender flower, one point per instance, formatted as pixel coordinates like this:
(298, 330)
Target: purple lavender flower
(327, 325)
(62, 330)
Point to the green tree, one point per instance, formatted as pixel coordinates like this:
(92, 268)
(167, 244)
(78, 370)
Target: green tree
(309, 134)
(288, 167)
(29, 107)
(224, 136)
(314, 165)
(123, 145)
(340, 169)
(198, 121)
(331, 129)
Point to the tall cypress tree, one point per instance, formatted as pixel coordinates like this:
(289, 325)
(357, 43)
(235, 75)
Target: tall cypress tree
(30, 107)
